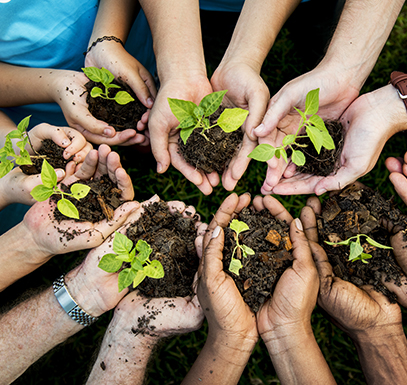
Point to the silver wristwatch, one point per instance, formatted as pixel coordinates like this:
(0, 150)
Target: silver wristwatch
(69, 305)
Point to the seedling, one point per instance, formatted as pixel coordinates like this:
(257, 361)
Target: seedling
(141, 266)
(105, 77)
(315, 130)
(235, 263)
(49, 187)
(7, 151)
(192, 116)
(356, 249)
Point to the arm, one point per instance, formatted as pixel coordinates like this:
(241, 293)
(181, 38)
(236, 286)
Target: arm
(175, 27)
(239, 71)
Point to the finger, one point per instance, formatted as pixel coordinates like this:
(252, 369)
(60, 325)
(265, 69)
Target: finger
(176, 206)
(81, 155)
(258, 203)
(323, 266)
(89, 166)
(315, 204)
(244, 201)
(276, 208)
(344, 176)
(273, 175)
(76, 141)
(126, 137)
(301, 249)
(103, 166)
(160, 147)
(399, 291)
(84, 120)
(257, 106)
(309, 222)
(213, 178)
(394, 164)
(189, 212)
(141, 89)
(299, 184)
(125, 184)
(213, 254)
(399, 182)
(400, 249)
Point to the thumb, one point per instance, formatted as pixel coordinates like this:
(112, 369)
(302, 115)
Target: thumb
(301, 248)
(212, 264)
(341, 179)
(159, 148)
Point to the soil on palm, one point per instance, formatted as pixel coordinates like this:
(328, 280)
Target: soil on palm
(172, 238)
(361, 210)
(269, 238)
(213, 153)
(50, 151)
(100, 203)
(121, 117)
(326, 162)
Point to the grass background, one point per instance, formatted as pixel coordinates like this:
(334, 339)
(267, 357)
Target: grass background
(70, 362)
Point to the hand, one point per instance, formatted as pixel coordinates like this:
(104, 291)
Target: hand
(53, 238)
(121, 64)
(67, 88)
(335, 95)
(398, 172)
(164, 137)
(246, 90)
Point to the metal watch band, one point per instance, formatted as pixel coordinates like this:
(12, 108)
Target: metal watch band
(399, 80)
(69, 305)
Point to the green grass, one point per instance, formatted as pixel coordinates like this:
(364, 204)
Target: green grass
(69, 363)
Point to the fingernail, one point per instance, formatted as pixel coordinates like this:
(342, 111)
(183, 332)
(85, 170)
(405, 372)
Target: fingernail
(321, 191)
(60, 173)
(67, 155)
(259, 129)
(150, 102)
(159, 167)
(298, 224)
(65, 142)
(107, 132)
(247, 193)
(216, 232)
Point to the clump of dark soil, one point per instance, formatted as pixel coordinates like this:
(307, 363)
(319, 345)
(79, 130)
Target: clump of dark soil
(100, 203)
(213, 154)
(326, 162)
(50, 151)
(172, 238)
(360, 210)
(269, 238)
(121, 117)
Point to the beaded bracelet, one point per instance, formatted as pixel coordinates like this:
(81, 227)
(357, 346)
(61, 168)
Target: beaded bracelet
(100, 39)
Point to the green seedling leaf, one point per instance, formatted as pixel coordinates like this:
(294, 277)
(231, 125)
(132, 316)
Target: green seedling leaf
(15, 134)
(8, 147)
(304, 117)
(210, 103)
(67, 208)
(187, 123)
(23, 125)
(94, 74)
(247, 250)
(124, 257)
(140, 275)
(136, 264)
(123, 97)
(125, 278)
(235, 265)
(48, 175)
(106, 77)
(327, 141)
(121, 244)
(315, 136)
(79, 190)
(154, 269)
(186, 133)
(365, 256)
(356, 250)
(181, 108)
(262, 153)
(231, 119)
(277, 153)
(95, 92)
(41, 193)
(312, 102)
(109, 263)
(113, 86)
(144, 250)
(199, 112)
(298, 158)
(377, 244)
(288, 139)
(238, 226)
(283, 153)
(318, 122)
(5, 167)
(340, 243)
(24, 158)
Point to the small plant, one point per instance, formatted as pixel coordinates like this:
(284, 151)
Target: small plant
(356, 249)
(141, 266)
(105, 77)
(192, 116)
(7, 151)
(235, 264)
(49, 187)
(315, 130)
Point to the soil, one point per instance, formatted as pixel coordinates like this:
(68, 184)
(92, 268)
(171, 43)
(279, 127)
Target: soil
(325, 163)
(121, 117)
(52, 152)
(172, 238)
(269, 238)
(360, 210)
(213, 154)
(99, 204)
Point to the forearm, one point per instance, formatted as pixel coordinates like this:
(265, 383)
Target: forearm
(297, 358)
(20, 255)
(256, 30)
(176, 30)
(384, 359)
(114, 18)
(220, 361)
(362, 31)
(30, 330)
(123, 356)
